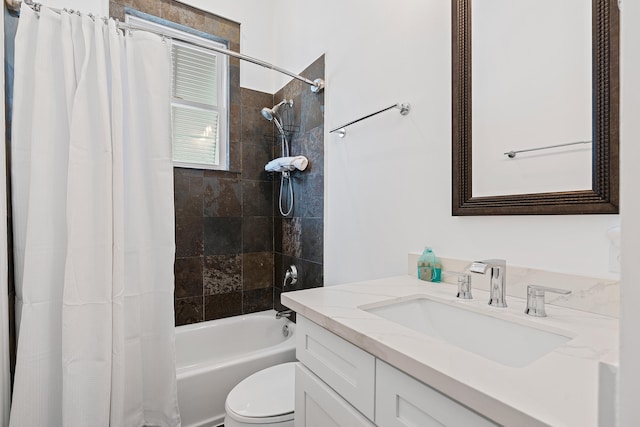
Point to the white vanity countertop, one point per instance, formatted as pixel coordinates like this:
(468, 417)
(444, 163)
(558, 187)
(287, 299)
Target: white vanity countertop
(558, 389)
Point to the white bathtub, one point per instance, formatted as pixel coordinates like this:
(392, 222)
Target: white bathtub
(212, 357)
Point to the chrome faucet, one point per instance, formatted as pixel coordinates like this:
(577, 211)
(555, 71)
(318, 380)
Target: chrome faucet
(498, 267)
(284, 313)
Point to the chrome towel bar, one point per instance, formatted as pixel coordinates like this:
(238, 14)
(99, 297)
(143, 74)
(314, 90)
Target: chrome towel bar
(404, 110)
(513, 153)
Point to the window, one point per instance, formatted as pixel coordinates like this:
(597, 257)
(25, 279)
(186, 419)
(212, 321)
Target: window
(199, 105)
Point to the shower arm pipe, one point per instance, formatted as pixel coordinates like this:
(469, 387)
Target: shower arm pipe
(316, 85)
(404, 110)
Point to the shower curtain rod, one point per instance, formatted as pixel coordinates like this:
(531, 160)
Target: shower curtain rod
(316, 85)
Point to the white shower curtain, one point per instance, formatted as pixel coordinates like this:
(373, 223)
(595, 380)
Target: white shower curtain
(93, 224)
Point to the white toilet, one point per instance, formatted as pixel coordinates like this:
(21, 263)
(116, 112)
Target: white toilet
(266, 398)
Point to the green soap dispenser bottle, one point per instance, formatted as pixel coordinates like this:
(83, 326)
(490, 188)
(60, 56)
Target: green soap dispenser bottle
(429, 266)
(425, 264)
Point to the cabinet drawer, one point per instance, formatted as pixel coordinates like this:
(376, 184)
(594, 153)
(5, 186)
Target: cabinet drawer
(403, 401)
(317, 405)
(347, 369)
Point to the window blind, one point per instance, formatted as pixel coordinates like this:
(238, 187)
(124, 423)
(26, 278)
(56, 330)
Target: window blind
(194, 74)
(195, 135)
(195, 109)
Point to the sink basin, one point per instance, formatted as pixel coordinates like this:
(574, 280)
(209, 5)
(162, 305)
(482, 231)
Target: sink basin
(502, 341)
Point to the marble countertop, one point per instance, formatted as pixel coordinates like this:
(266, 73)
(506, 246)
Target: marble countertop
(558, 389)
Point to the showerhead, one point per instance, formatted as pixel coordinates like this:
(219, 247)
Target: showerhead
(270, 113)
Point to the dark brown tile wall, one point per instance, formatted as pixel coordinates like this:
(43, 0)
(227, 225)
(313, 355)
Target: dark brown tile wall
(229, 251)
(224, 226)
(298, 239)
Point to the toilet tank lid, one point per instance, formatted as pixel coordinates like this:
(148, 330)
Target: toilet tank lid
(267, 393)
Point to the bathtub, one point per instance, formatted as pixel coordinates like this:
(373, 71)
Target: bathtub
(212, 357)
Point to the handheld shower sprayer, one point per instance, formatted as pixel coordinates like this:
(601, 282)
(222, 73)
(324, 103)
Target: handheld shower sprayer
(272, 115)
(278, 125)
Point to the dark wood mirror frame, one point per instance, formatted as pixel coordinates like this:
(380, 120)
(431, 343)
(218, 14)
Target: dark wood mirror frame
(603, 198)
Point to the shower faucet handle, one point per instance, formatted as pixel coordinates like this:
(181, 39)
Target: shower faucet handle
(291, 276)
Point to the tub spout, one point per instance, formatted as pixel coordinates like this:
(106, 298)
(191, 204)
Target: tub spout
(284, 313)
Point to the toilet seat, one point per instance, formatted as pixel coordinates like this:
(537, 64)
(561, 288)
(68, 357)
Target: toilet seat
(264, 397)
(266, 420)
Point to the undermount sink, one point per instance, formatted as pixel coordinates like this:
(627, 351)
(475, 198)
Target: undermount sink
(502, 341)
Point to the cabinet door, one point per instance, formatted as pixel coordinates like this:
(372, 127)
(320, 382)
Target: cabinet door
(346, 368)
(402, 401)
(317, 405)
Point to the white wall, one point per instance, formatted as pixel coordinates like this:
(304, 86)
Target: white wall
(388, 183)
(630, 176)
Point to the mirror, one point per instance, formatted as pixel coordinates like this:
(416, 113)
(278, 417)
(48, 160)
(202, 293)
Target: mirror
(544, 116)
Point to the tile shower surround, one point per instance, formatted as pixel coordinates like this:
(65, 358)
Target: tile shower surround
(298, 238)
(231, 244)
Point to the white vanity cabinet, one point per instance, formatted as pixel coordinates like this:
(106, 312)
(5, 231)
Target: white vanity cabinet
(317, 405)
(339, 384)
(347, 369)
(402, 401)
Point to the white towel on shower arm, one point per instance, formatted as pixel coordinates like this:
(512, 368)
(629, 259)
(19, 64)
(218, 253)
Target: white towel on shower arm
(284, 164)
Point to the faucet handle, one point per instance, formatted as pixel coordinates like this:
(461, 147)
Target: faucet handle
(464, 284)
(535, 299)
